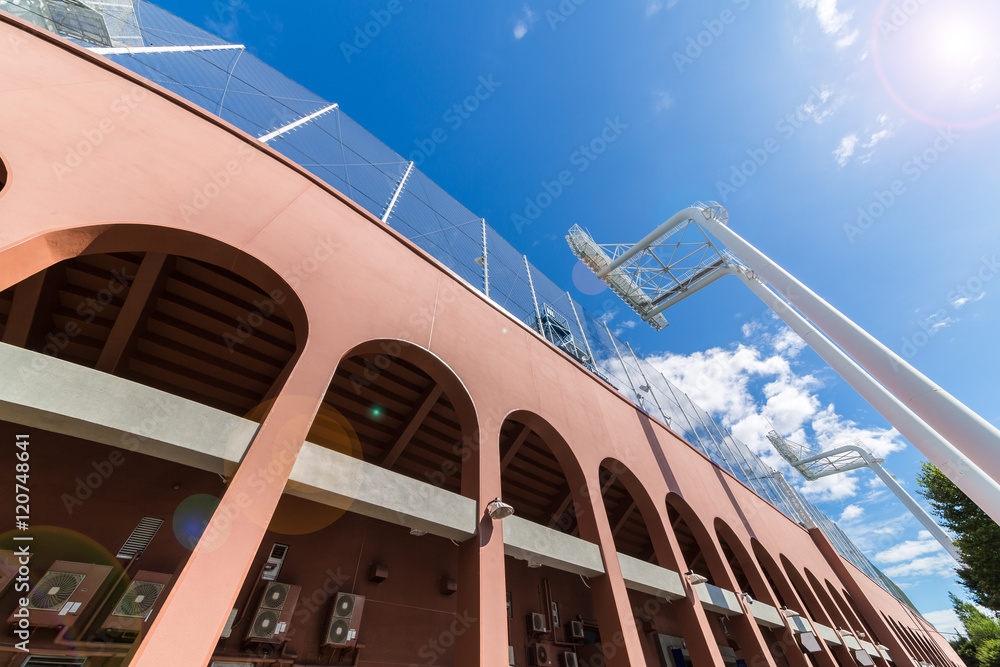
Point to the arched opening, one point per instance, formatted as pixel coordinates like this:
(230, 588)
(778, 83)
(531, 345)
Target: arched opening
(373, 543)
(905, 638)
(751, 580)
(131, 359)
(704, 557)
(834, 611)
(3, 175)
(638, 534)
(175, 323)
(862, 622)
(851, 620)
(551, 607)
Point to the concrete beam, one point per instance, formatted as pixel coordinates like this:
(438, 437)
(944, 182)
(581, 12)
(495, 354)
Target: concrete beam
(339, 480)
(652, 579)
(526, 540)
(719, 600)
(59, 396)
(828, 634)
(766, 615)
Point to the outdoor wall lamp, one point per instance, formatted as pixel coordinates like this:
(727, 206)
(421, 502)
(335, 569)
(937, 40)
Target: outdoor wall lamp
(498, 509)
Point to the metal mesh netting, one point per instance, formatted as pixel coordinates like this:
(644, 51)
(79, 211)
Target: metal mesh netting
(244, 91)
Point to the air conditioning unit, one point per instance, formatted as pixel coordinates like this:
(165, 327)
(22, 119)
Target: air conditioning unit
(569, 660)
(536, 623)
(540, 655)
(576, 630)
(274, 614)
(345, 621)
(137, 605)
(275, 560)
(63, 593)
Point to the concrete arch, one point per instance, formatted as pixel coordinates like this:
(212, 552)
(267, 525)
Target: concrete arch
(759, 588)
(646, 506)
(834, 611)
(436, 367)
(26, 258)
(717, 569)
(816, 610)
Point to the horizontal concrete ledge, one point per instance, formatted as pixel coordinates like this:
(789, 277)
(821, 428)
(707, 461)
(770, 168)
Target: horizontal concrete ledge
(718, 600)
(870, 649)
(49, 393)
(851, 642)
(884, 652)
(339, 480)
(828, 634)
(526, 540)
(652, 579)
(766, 615)
(798, 624)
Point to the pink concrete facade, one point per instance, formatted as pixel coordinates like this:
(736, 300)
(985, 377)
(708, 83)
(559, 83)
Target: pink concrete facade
(99, 161)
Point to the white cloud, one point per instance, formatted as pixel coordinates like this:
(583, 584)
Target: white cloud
(653, 7)
(960, 301)
(938, 565)
(921, 557)
(845, 150)
(664, 100)
(875, 137)
(832, 21)
(946, 621)
(851, 512)
(524, 23)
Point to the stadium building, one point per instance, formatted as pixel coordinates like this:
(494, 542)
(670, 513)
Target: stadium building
(270, 396)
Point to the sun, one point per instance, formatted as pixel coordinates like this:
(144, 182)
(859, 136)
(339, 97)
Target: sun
(959, 44)
(939, 60)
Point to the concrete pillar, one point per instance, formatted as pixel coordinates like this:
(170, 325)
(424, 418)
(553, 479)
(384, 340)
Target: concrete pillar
(619, 635)
(871, 616)
(482, 582)
(188, 628)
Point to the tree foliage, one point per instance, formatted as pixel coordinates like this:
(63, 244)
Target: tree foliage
(981, 645)
(977, 536)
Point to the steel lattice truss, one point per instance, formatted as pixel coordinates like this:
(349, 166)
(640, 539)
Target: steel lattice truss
(813, 464)
(662, 274)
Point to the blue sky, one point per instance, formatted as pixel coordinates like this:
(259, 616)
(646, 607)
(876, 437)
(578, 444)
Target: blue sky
(853, 142)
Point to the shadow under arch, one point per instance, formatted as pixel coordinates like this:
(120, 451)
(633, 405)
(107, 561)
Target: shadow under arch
(702, 553)
(408, 411)
(749, 576)
(164, 307)
(633, 516)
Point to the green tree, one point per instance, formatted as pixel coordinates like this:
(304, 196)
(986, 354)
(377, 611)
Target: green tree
(981, 646)
(977, 536)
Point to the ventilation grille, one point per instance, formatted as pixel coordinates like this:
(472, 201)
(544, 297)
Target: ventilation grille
(140, 537)
(274, 596)
(54, 590)
(344, 606)
(265, 624)
(53, 661)
(138, 599)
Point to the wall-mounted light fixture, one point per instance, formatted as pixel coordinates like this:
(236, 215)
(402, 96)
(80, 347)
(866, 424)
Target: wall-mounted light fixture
(498, 509)
(789, 613)
(694, 578)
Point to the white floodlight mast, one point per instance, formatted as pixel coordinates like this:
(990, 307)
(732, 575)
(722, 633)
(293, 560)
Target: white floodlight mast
(959, 466)
(894, 486)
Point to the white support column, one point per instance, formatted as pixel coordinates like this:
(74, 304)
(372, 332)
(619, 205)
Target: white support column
(270, 136)
(976, 438)
(395, 196)
(983, 490)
